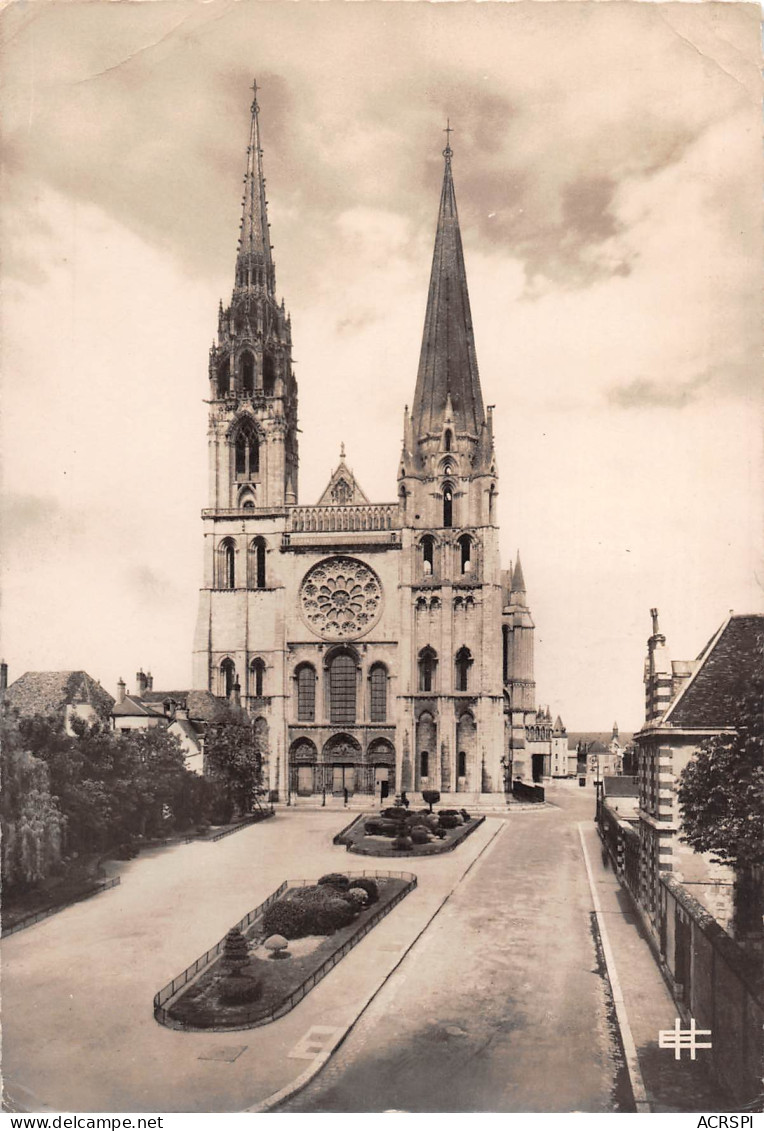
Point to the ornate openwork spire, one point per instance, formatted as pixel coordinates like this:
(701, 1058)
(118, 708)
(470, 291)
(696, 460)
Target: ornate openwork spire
(254, 265)
(448, 363)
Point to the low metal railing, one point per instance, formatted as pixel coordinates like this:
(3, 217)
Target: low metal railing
(256, 1017)
(30, 920)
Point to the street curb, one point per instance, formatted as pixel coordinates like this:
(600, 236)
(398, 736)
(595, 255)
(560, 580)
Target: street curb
(641, 1102)
(277, 1098)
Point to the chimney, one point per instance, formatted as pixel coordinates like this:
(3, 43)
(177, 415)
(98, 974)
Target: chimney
(149, 681)
(3, 676)
(140, 683)
(120, 690)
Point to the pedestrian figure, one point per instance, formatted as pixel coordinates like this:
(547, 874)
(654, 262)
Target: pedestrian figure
(345, 795)
(404, 800)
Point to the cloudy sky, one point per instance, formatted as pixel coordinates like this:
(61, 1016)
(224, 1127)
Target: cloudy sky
(608, 174)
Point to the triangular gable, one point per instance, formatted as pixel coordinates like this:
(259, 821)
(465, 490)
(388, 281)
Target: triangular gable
(343, 488)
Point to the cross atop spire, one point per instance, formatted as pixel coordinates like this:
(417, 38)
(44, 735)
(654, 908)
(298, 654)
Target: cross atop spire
(447, 362)
(254, 264)
(448, 151)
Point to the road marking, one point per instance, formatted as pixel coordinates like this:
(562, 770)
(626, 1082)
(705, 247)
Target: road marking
(227, 1053)
(313, 1043)
(629, 1048)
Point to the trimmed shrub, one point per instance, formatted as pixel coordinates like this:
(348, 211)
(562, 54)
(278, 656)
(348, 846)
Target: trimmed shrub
(235, 950)
(277, 945)
(395, 813)
(285, 918)
(335, 880)
(464, 815)
(380, 826)
(420, 835)
(430, 797)
(449, 821)
(402, 843)
(449, 813)
(235, 990)
(367, 884)
(357, 897)
(426, 820)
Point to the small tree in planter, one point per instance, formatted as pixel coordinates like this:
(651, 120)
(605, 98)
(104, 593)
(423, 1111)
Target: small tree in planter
(277, 945)
(430, 797)
(235, 951)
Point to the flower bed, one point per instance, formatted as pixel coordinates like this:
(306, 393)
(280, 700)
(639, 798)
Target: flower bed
(243, 983)
(398, 832)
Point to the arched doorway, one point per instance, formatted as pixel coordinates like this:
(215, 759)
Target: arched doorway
(380, 758)
(343, 753)
(302, 767)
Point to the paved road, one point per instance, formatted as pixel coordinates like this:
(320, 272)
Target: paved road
(501, 1006)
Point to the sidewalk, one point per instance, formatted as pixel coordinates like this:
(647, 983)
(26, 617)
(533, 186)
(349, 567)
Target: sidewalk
(671, 1085)
(79, 1034)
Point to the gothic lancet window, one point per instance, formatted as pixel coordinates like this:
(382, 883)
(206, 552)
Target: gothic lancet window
(342, 688)
(465, 553)
(257, 680)
(247, 372)
(269, 375)
(428, 554)
(306, 693)
(428, 662)
(463, 664)
(247, 452)
(378, 689)
(448, 506)
(224, 377)
(256, 563)
(227, 564)
(227, 676)
(447, 440)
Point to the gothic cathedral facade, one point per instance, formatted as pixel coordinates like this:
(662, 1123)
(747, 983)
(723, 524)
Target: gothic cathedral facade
(377, 647)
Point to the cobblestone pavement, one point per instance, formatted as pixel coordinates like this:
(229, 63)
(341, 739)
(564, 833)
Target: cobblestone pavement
(501, 1005)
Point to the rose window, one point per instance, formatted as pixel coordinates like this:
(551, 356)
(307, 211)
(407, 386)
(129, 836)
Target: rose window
(341, 598)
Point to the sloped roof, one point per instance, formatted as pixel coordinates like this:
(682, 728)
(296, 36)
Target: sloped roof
(620, 786)
(603, 736)
(134, 705)
(201, 705)
(710, 697)
(49, 693)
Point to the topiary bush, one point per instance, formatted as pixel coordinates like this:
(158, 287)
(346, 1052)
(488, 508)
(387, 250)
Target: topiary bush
(335, 880)
(239, 990)
(367, 884)
(430, 797)
(420, 835)
(464, 815)
(402, 843)
(449, 821)
(235, 950)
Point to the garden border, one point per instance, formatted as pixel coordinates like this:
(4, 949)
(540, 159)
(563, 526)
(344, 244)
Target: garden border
(438, 850)
(255, 820)
(38, 916)
(162, 1016)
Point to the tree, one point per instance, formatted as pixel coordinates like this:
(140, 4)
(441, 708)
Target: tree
(232, 759)
(430, 797)
(32, 823)
(721, 797)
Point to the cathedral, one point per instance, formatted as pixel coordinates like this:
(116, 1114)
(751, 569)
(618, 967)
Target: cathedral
(377, 647)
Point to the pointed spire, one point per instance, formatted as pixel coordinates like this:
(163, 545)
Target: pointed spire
(518, 581)
(254, 265)
(448, 363)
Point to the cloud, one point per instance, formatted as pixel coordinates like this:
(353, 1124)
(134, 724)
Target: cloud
(643, 393)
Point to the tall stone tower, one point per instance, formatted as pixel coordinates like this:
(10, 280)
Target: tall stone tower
(451, 576)
(252, 444)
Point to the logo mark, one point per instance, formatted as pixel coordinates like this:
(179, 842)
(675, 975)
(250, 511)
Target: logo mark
(679, 1039)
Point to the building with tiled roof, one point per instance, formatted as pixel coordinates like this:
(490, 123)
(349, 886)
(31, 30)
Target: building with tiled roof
(183, 713)
(686, 702)
(59, 695)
